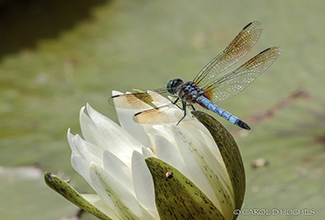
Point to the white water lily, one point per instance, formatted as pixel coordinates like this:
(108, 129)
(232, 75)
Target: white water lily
(111, 158)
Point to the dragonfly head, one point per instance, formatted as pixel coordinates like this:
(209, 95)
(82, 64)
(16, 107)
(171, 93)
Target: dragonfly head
(173, 84)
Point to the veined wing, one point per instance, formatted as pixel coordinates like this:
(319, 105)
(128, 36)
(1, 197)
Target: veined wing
(164, 114)
(234, 82)
(138, 100)
(236, 50)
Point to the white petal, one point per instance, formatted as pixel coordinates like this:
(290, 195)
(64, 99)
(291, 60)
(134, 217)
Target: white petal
(195, 128)
(115, 92)
(88, 151)
(162, 131)
(200, 133)
(119, 170)
(188, 148)
(146, 152)
(88, 127)
(70, 138)
(204, 176)
(117, 197)
(212, 156)
(210, 150)
(135, 129)
(167, 152)
(143, 183)
(110, 136)
(81, 166)
(125, 117)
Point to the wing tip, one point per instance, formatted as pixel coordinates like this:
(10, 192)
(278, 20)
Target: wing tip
(272, 48)
(258, 24)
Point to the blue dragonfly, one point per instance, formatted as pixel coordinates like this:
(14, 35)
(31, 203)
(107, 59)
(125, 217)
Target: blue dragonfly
(209, 86)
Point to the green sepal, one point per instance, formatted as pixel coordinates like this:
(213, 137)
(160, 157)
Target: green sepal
(64, 189)
(176, 196)
(230, 154)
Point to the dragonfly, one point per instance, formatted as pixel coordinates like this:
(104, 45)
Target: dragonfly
(210, 86)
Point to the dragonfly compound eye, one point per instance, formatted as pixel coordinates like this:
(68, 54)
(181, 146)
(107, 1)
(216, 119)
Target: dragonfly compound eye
(173, 84)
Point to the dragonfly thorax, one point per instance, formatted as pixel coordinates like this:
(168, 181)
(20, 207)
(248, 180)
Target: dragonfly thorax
(189, 91)
(173, 85)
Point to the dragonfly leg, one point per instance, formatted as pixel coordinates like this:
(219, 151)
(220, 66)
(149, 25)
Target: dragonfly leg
(184, 109)
(192, 107)
(174, 102)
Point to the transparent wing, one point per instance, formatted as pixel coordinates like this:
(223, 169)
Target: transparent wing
(159, 108)
(236, 50)
(138, 100)
(234, 82)
(165, 114)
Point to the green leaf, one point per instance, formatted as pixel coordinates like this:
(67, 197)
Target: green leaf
(229, 152)
(177, 197)
(65, 190)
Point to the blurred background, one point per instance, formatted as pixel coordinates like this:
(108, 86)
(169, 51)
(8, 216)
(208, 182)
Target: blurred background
(55, 56)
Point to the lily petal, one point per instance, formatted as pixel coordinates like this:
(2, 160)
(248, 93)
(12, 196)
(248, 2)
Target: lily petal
(108, 134)
(117, 197)
(125, 117)
(201, 172)
(119, 170)
(143, 183)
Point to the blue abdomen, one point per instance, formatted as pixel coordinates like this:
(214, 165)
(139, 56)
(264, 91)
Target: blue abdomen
(206, 103)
